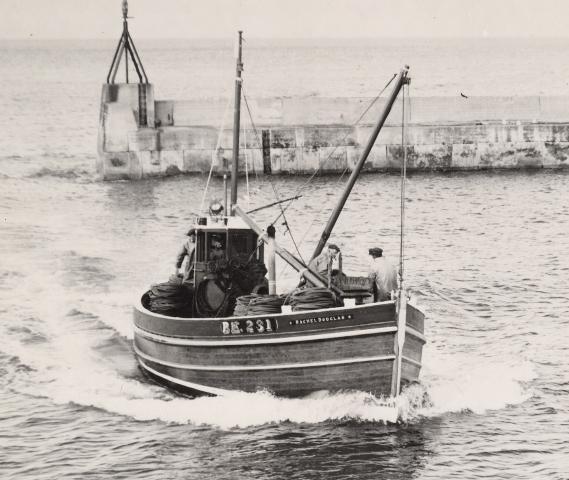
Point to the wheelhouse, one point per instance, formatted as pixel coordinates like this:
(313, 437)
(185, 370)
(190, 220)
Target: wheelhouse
(224, 242)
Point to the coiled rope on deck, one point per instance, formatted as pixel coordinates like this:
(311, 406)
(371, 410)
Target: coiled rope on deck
(255, 304)
(242, 305)
(170, 298)
(265, 304)
(313, 298)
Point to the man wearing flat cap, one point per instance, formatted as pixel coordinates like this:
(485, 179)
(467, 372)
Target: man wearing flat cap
(384, 275)
(187, 250)
(323, 263)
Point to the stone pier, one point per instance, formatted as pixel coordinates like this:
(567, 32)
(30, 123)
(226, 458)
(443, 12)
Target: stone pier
(140, 136)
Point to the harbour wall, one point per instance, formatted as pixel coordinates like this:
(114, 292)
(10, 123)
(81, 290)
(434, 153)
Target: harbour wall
(139, 136)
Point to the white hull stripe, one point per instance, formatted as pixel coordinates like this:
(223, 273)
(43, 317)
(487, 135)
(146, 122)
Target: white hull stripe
(196, 386)
(261, 341)
(281, 366)
(416, 333)
(413, 362)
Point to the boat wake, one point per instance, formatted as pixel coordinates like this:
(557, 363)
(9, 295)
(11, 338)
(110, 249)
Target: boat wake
(77, 376)
(482, 385)
(76, 352)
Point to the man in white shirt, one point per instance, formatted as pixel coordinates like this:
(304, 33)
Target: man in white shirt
(384, 274)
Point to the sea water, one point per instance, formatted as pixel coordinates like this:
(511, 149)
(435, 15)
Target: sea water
(486, 254)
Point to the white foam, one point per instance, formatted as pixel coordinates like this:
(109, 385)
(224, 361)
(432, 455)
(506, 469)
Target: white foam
(69, 367)
(79, 376)
(461, 382)
(91, 381)
(249, 409)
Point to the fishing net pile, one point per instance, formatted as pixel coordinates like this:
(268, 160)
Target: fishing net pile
(258, 305)
(170, 298)
(312, 298)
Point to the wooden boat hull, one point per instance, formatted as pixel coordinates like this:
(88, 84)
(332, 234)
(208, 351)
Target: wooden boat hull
(288, 354)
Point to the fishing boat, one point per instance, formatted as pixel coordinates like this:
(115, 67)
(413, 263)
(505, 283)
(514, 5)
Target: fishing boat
(224, 328)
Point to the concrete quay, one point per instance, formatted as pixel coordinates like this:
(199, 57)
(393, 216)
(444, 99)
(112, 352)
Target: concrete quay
(140, 137)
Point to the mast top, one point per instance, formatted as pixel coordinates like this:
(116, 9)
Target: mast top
(402, 79)
(124, 9)
(236, 121)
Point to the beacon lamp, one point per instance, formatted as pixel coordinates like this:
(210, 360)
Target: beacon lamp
(215, 208)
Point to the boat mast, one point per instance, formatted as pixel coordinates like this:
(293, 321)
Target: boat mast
(403, 183)
(236, 123)
(402, 79)
(401, 306)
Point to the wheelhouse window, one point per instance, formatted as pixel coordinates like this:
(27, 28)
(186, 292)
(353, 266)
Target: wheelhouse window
(218, 245)
(239, 244)
(243, 243)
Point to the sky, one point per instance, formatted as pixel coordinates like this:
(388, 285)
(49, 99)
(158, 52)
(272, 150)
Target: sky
(101, 19)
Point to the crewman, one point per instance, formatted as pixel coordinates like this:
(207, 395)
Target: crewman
(384, 274)
(187, 251)
(217, 252)
(322, 264)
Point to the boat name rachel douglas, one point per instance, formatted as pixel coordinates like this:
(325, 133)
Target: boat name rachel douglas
(332, 318)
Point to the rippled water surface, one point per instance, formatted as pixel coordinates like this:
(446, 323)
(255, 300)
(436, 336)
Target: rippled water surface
(486, 254)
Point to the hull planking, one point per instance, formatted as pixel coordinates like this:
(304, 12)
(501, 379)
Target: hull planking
(289, 354)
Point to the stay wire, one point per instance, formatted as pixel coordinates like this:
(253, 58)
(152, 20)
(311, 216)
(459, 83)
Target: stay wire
(344, 171)
(317, 171)
(275, 192)
(255, 131)
(217, 149)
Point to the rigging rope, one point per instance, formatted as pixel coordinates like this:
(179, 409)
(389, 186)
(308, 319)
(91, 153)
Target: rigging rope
(247, 168)
(260, 145)
(305, 185)
(217, 148)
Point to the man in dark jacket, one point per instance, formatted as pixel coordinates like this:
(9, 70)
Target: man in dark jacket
(187, 250)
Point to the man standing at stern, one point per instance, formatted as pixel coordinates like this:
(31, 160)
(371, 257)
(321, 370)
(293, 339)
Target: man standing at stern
(187, 252)
(384, 275)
